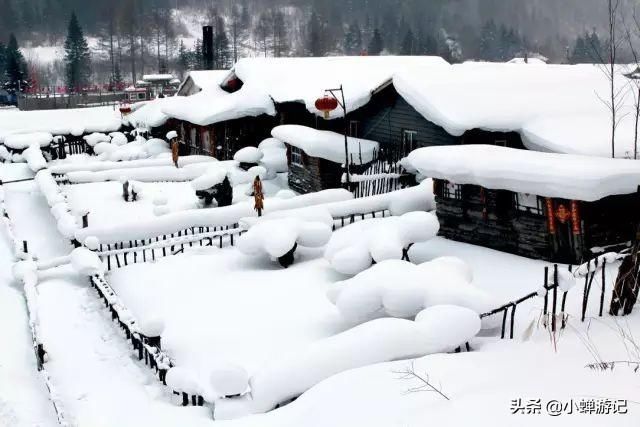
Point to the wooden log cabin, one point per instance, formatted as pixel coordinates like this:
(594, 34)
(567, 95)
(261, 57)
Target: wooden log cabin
(555, 207)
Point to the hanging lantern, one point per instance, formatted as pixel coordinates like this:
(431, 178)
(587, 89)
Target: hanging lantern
(326, 104)
(125, 108)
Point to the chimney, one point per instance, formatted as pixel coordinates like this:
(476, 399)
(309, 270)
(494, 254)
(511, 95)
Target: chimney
(207, 47)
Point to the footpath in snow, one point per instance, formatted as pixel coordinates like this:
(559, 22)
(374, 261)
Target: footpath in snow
(91, 366)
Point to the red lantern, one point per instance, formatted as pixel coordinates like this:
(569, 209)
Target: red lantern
(326, 104)
(125, 108)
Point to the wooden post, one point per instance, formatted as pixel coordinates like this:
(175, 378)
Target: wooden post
(25, 247)
(513, 320)
(85, 220)
(555, 297)
(546, 295)
(604, 265)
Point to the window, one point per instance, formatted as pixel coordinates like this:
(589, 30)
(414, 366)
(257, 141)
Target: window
(409, 140)
(529, 203)
(296, 156)
(500, 142)
(353, 128)
(142, 96)
(452, 191)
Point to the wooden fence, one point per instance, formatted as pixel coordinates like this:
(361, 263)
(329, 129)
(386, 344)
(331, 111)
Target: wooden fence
(551, 302)
(383, 175)
(121, 255)
(148, 349)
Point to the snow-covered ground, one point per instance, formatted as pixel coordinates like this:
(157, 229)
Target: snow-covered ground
(104, 202)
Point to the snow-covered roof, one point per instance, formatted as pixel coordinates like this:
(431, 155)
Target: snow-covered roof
(148, 114)
(555, 108)
(157, 77)
(325, 144)
(305, 79)
(214, 105)
(59, 122)
(566, 176)
(530, 60)
(204, 79)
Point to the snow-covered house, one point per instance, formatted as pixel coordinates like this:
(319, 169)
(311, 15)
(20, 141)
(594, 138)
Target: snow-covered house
(316, 157)
(196, 81)
(550, 206)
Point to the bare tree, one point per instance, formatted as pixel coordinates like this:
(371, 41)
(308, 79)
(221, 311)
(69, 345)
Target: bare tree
(634, 77)
(424, 382)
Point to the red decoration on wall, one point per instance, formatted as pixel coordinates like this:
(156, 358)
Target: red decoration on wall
(326, 104)
(551, 220)
(562, 214)
(575, 217)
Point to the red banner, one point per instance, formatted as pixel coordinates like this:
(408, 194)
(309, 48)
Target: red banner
(551, 220)
(575, 217)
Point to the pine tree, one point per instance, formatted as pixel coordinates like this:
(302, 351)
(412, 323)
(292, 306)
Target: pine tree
(116, 82)
(77, 57)
(409, 44)
(353, 39)
(593, 46)
(183, 60)
(376, 45)
(489, 41)
(280, 36)
(315, 44)
(15, 70)
(8, 18)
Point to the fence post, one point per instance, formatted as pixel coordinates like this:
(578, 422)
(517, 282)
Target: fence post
(604, 265)
(555, 297)
(25, 247)
(546, 290)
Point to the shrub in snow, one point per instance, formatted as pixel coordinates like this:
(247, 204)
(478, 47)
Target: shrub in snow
(250, 155)
(118, 138)
(229, 380)
(92, 243)
(437, 329)
(86, 262)
(400, 289)
(279, 238)
(355, 247)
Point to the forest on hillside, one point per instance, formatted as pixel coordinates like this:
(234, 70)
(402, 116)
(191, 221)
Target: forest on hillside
(133, 37)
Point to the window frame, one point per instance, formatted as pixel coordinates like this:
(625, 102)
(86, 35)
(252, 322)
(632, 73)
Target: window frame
(297, 156)
(539, 210)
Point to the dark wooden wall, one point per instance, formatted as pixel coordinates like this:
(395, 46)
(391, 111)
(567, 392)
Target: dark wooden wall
(611, 221)
(314, 175)
(386, 117)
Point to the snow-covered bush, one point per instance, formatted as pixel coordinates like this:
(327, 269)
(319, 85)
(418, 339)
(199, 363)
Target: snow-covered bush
(251, 155)
(118, 138)
(279, 238)
(400, 289)
(182, 380)
(355, 247)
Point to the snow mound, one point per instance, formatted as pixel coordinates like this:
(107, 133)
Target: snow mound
(86, 262)
(209, 179)
(437, 329)
(172, 134)
(118, 138)
(181, 380)
(151, 327)
(229, 380)
(400, 289)
(355, 247)
(35, 159)
(248, 155)
(21, 141)
(92, 243)
(276, 237)
(96, 138)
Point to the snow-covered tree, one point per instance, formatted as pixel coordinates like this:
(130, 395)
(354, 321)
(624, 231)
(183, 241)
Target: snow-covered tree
(77, 57)
(353, 39)
(15, 68)
(376, 44)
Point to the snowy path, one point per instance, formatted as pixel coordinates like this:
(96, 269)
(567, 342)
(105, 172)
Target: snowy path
(90, 363)
(23, 395)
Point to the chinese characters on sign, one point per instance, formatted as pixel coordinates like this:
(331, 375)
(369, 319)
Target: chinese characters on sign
(556, 408)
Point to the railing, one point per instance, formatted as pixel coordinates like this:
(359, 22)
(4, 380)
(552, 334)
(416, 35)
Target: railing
(342, 221)
(143, 251)
(551, 304)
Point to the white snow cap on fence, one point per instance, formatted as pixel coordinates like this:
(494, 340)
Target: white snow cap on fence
(171, 134)
(25, 271)
(592, 265)
(228, 379)
(355, 247)
(86, 262)
(21, 141)
(35, 159)
(400, 289)
(325, 144)
(92, 243)
(181, 380)
(276, 237)
(248, 155)
(151, 327)
(437, 329)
